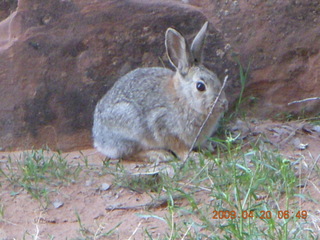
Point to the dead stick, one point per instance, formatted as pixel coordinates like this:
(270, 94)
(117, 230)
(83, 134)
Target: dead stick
(206, 120)
(153, 204)
(304, 100)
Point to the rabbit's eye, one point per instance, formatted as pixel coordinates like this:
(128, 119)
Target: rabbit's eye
(201, 86)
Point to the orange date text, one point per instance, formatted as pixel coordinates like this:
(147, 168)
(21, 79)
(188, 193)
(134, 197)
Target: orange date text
(286, 214)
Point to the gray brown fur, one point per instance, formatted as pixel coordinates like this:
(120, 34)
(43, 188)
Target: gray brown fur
(158, 109)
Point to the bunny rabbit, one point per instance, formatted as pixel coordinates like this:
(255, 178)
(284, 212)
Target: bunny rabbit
(155, 108)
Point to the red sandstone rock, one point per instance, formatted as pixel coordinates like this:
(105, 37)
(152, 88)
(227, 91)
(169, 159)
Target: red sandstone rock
(57, 58)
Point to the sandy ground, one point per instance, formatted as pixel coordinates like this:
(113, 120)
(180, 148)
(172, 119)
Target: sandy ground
(90, 199)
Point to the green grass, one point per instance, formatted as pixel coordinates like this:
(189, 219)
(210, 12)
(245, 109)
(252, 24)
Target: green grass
(97, 233)
(258, 186)
(39, 172)
(243, 77)
(2, 209)
(240, 107)
(242, 191)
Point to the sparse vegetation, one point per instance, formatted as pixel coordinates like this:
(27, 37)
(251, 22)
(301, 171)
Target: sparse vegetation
(254, 194)
(97, 233)
(243, 77)
(38, 172)
(242, 191)
(235, 110)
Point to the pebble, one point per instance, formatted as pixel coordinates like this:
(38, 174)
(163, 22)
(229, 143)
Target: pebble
(316, 128)
(104, 186)
(57, 204)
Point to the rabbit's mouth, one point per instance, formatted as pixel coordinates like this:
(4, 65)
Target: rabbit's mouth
(220, 103)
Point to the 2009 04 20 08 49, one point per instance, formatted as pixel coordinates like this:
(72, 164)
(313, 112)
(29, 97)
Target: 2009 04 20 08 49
(226, 214)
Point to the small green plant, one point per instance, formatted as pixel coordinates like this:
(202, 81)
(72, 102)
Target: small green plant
(243, 75)
(2, 208)
(243, 78)
(98, 233)
(38, 172)
(82, 229)
(236, 108)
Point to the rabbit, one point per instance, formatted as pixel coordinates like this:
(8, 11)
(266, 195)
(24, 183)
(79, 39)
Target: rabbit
(155, 108)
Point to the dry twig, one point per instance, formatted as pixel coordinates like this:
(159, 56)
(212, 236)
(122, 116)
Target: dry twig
(153, 204)
(304, 100)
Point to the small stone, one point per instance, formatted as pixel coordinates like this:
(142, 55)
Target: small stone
(57, 204)
(316, 128)
(303, 146)
(88, 183)
(299, 145)
(104, 186)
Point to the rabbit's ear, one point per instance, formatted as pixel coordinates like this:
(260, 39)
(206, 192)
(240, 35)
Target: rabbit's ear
(197, 44)
(177, 51)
